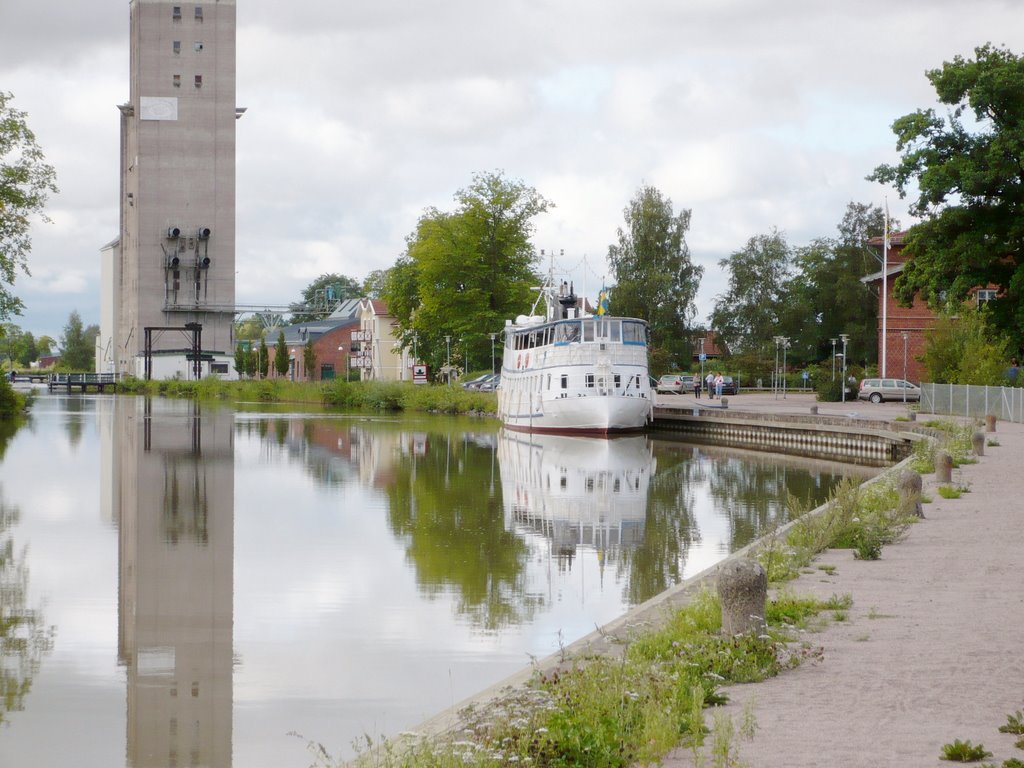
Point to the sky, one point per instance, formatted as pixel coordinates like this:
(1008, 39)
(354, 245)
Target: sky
(362, 114)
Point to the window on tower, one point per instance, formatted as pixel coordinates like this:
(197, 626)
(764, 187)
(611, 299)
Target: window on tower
(199, 81)
(176, 13)
(199, 13)
(177, 46)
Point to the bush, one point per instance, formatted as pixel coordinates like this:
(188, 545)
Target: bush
(829, 391)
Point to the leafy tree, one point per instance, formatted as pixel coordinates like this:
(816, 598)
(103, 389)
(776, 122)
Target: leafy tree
(249, 329)
(970, 193)
(26, 181)
(654, 276)
(320, 297)
(825, 297)
(281, 362)
(242, 355)
(263, 361)
(45, 345)
(750, 312)
(963, 348)
(464, 272)
(309, 360)
(373, 285)
(78, 344)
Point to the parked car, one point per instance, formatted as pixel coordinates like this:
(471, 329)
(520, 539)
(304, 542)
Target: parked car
(877, 390)
(672, 384)
(478, 381)
(491, 384)
(730, 386)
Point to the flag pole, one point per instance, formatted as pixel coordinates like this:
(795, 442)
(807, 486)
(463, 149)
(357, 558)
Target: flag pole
(885, 291)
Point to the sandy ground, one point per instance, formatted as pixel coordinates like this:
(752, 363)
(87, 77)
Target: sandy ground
(933, 648)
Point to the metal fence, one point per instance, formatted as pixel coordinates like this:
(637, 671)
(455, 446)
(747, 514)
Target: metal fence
(1005, 403)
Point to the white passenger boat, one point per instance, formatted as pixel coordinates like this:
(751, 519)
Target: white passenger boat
(569, 372)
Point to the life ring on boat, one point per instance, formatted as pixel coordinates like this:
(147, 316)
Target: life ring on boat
(526, 363)
(519, 360)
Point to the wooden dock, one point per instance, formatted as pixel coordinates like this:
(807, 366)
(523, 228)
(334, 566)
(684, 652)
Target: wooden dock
(82, 382)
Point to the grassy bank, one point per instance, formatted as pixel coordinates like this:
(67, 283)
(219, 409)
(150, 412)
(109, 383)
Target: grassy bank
(345, 395)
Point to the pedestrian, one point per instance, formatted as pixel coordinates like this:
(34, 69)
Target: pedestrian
(696, 386)
(719, 381)
(710, 381)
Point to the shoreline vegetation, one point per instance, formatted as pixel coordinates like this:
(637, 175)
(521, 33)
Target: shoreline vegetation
(338, 394)
(650, 696)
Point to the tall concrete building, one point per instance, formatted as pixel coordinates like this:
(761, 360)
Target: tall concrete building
(169, 279)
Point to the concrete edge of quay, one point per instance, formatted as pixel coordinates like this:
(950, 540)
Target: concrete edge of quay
(654, 612)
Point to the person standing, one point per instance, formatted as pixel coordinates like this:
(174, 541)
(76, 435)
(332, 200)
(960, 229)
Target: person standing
(696, 385)
(719, 381)
(710, 381)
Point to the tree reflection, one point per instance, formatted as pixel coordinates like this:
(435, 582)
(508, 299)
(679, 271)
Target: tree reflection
(24, 636)
(670, 529)
(455, 531)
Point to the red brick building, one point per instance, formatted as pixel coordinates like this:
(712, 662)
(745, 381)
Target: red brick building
(332, 341)
(905, 327)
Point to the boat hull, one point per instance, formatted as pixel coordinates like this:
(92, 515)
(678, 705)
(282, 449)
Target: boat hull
(590, 415)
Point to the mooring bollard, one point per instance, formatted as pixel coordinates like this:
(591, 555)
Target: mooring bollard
(990, 423)
(743, 592)
(943, 467)
(909, 486)
(724, 401)
(912, 416)
(978, 442)
(814, 410)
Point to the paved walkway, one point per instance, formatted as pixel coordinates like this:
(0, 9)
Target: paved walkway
(933, 648)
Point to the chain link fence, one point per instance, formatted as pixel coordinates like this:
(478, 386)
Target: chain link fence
(1005, 403)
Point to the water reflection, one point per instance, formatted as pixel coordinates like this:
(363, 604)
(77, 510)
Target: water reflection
(174, 502)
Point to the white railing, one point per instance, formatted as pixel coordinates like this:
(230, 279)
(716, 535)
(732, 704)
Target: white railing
(1005, 403)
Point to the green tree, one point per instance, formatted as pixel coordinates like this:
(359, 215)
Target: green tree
(45, 345)
(242, 355)
(26, 182)
(263, 359)
(320, 297)
(825, 296)
(751, 311)
(969, 184)
(654, 277)
(964, 348)
(464, 272)
(373, 285)
(309, 360)
(281, 362)
(78, 344)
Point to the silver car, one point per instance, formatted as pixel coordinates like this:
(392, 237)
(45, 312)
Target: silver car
(877, 390)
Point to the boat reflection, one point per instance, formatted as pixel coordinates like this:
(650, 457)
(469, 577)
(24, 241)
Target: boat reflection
(577, 492)
(172, 490)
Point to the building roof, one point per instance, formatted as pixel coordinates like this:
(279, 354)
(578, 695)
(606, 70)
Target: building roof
(300, 333)
(874, 277)
(896, 240)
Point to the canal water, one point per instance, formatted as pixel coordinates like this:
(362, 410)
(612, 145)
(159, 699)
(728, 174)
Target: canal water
(188, 585)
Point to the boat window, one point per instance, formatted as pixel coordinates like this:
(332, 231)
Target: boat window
(567, 333)
(633, 333)
(565, 381)
(549, 382)
(618, 381)
(590, 380)
(588, 330)
(615, 330)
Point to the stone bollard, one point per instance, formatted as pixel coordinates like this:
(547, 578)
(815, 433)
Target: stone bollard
(978, 443)
(990, 423)
(909, 486)
(743, 592)
(943, 467)
(814, 410)
(912, 415)
(724, 402)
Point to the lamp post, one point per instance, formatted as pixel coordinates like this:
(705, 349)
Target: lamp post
(785, 346)
(701, 359)
(775, 373)
(844, 338)
(448, 359)
(833, 359)
(492, 335)
(906, 338)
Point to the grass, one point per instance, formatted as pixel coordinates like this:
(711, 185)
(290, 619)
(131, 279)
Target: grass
(963, 752)
(340, 394)
(950, 492)
(623, 711)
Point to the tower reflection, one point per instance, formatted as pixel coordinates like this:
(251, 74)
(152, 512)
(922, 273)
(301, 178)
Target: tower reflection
(172, 491)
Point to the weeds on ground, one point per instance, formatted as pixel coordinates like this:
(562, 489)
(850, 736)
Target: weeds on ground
(1014, 723)
(950, 491)
(963, 752)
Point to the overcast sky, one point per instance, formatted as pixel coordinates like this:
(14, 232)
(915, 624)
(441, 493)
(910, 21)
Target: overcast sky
(361, 114)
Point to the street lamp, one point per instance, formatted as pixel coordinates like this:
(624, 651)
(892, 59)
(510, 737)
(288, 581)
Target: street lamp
(844, 338)
(701, 359)
(785, 346)
(906, 337)
(448, 359)
(833, 359)
(779, 340)
(493, 336)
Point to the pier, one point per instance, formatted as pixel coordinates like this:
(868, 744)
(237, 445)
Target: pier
(82, 382)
